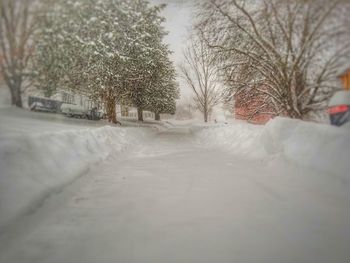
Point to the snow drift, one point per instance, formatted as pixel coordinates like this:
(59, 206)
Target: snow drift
(317, 146)
(35, 165)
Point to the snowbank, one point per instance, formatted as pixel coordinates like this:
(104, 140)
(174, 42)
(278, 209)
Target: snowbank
(157, 125)
(317, 146)
(35, 165)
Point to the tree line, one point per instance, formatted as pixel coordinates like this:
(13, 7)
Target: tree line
(111, 51)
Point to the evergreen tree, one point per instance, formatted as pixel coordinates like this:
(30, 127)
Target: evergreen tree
(108, 50)
(164, 91)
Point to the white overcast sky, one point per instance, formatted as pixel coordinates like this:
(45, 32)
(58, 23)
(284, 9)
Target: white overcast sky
(178, 14)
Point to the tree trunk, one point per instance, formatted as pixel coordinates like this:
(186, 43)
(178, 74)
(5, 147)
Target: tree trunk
(140, 114)
(205, 117)
(205, 112)
(111, 113)
(16, 96)
(157, 116)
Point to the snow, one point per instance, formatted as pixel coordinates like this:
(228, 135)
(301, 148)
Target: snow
(39, 156)
(239, 138)
(187, 193)
(321, 147)
(316, 146)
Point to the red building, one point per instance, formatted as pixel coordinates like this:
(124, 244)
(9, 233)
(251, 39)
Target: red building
(251, 107)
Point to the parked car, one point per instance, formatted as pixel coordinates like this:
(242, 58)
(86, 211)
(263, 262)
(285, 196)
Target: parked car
(77, 111)
(339, 108)
(44, 104)
(95, 114)
(38, 106)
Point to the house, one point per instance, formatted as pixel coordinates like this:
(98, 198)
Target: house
(55, 101)
(345, 78)
(132, 113)
(77, 99)
(250, 106)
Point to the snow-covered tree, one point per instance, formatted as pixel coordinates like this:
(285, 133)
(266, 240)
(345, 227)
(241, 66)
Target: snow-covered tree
(200, 73)
(285, 52)
(164, 101)
(149, 63)
(107, 49)
(164, 94)
(16, 47)
(164, 91)
(80, 47)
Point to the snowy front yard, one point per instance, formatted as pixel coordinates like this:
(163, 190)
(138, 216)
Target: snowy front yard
(230, 193)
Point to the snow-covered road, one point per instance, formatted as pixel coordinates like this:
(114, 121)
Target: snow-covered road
(174, 200)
